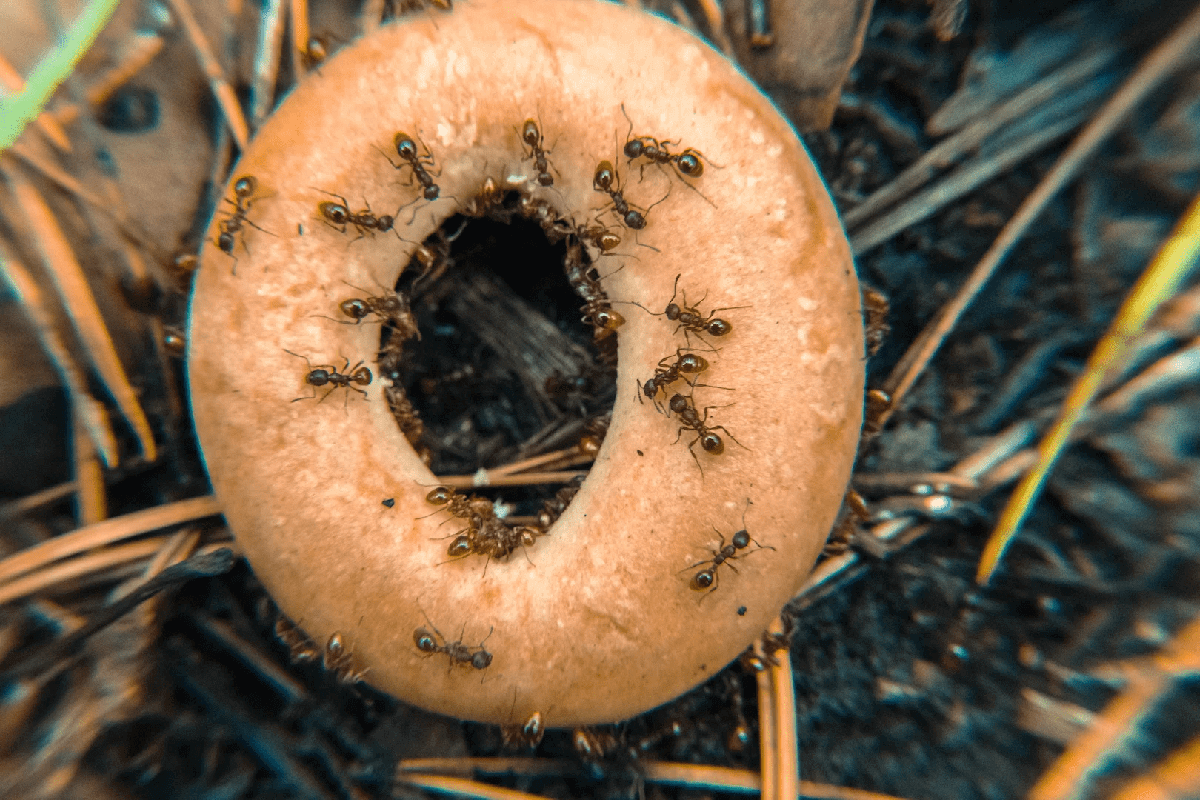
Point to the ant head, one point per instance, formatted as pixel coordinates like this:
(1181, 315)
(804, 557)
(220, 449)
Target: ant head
(362, 376)
(244, 186)
(461, 546)
(603, 180)
(689, 163)
(530, 134)
(481, 660)
(607, 319)
(440, 495)
(424, 641)
(354, 308)
(335, 213)
(679, 403)
(405, 146)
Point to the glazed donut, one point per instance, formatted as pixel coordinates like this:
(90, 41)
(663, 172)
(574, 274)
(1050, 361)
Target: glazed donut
(607, 616)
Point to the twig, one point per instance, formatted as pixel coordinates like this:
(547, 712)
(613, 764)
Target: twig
(485, 478)
(1149, 74)
(16, 508)
(301, 34)
(1073, 774)
(91, 505)
(89, 410)
(1168, 269)
(107, 532)
(226, 98)
(571, 455)
(783, 705)
(101, 560)
(962, 181)
(1177, 777)
(951, 150)
(71, 186)
(464, 787)
(266, 57)
(76, 296)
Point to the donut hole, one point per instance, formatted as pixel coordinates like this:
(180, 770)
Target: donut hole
(505, 368)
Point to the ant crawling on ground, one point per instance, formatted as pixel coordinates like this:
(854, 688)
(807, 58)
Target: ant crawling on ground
(531, 137)
(607, 180)
(327, 374)
(668, 371)
(459, 653)
(707, 578)
(243, 198)
(689, 163)
(339, 215)
(685, 408)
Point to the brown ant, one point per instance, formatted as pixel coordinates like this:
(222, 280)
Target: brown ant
(460, 505)
(607, 180)
(243, 198)
(553, 509)
(300, 647)
(487, 203)
(875, 313)
(339, 215)
(667, 372)
(527, 736)
(689, 163)
(406, 418)
(327, 374)
(690, 318)
(707, 578)
(597, 309)
(531, 137)
(338, 660)
(392, 308)
(685, 409)
(406, 148)
(459, 653)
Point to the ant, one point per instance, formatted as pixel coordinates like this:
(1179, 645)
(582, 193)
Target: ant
(407, 419)
(459, 653)
(528, 735)
(607, 180)
(667, 372)
(392, 308)
(460, 505)
(531, 137)
(707, 578)
(875, 313)
(487, 203)
(338, 660)
(327, 374)
(406, 148)
(339, 215)
(300, 647)
(553, 509)
(689, 163)
(243, 198)
(685, 409)
(690, 318)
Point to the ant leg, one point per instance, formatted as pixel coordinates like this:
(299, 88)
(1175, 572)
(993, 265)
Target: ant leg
(692, 450)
